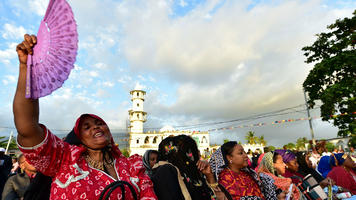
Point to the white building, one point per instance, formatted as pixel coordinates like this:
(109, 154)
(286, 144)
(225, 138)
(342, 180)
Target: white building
(141, 141)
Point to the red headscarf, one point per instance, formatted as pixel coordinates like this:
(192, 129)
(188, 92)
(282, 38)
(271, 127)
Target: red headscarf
(114, 149)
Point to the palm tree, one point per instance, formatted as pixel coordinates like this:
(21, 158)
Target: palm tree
(4, 141)
(301, 143)
(251, 138)
(262, 140)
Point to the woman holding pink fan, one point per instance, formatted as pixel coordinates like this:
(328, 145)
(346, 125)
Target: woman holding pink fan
(84, 169)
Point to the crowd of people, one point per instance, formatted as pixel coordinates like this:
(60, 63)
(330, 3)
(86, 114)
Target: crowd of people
(89, 165)
(176, 171)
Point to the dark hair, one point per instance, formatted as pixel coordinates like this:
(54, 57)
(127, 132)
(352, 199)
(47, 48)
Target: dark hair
(301, 160)
(226, 149)
(162, 153)
(182, 151)
(265, 149)
(154, 152)
(275, 154)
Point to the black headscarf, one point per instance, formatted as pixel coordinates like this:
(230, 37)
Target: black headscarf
(146, 161)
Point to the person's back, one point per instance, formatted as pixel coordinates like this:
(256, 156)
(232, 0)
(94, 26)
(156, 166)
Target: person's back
(39, 188)
(16, 186)
(5, 168)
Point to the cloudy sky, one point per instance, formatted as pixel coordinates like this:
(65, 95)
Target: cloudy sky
(201, 62)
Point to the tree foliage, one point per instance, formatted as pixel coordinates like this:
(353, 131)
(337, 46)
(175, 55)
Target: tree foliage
(261, 140)
(4, 140)
(271, 148)
(125, 152)
(290, 146)
(300, 145)
(329, 146)
(251, 138)
(333, 78)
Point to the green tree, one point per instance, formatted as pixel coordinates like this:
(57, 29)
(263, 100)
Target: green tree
(261, 140)
(290, 146)
(226, 140)
(125, 152)
(329, 146)
(271, 148)
(251, 138)
(352, 142)
(300, 145)
(4, 140)
(332, 80)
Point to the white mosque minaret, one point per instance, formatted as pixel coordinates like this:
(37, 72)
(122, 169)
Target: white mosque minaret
(141, 141)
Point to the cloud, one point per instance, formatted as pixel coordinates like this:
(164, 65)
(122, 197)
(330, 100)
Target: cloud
(9, 79)
(108, 84)
(182, 3)
(7, 55)
(214, 61)
(13, 32)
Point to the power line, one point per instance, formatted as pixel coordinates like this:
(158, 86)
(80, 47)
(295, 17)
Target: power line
(190, 126)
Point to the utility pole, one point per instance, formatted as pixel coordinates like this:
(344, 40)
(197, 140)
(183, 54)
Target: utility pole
(8, 143)
(309, 118)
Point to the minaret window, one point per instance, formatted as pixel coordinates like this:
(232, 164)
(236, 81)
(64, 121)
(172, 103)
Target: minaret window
(138, 105)
(204, 140)
(137, 141)
(138, 116)
(137, 94)
(146, 140)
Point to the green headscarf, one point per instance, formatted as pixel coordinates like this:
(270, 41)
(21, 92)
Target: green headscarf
(267, 162)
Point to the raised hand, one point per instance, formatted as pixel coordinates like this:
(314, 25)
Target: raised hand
(204, 167)
(26, 47)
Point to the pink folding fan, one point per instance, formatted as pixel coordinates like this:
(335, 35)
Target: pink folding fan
(54, 54)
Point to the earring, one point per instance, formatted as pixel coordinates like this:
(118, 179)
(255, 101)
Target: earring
(230, 161)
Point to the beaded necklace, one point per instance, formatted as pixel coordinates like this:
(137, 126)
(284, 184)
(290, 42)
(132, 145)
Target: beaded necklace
(98, 164)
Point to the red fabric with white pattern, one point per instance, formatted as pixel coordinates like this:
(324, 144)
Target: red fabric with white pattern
(57, 159)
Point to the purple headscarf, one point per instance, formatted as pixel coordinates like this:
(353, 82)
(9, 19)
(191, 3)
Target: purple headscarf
(287, 155)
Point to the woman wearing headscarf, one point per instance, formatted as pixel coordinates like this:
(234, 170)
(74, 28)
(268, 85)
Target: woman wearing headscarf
(324, 166)
(305, 169)
(229, 164)
(180, 174)
(272, 165)
(79, 171)
(343, 171)
(149, 159)
(292, 165)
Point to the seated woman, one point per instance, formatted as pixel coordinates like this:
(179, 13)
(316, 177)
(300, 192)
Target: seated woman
(292, 165)
(324, 166)
(179, 173)
(343, 171)
(272, 165)
(305, 168)
(149, 159)
(230, 164)
(78, 172)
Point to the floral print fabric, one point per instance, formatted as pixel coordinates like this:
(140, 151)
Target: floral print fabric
(74, 179)
(239, 184)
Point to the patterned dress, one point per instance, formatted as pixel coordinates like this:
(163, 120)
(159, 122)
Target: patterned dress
(74, 179)
(240, 185)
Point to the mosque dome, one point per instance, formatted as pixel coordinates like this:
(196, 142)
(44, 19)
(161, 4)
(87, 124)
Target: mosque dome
(167, 128)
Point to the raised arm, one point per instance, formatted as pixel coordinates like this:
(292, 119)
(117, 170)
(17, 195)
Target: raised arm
(26, 111)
